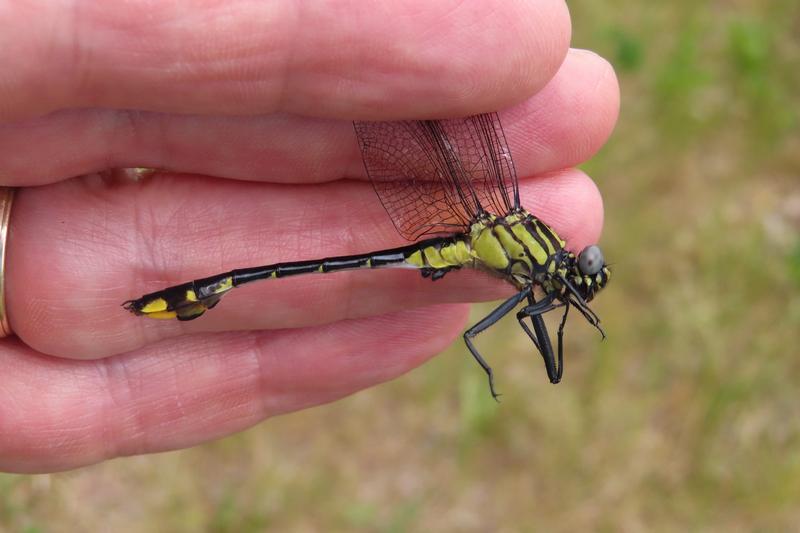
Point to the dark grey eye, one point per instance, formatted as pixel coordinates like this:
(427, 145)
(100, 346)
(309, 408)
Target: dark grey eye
(591, 260)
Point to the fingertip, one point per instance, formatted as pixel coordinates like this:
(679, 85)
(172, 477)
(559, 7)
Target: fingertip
(530, 43)
(570, 119)
(600, 105)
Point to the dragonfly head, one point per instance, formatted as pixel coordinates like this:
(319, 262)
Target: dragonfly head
(589, 272)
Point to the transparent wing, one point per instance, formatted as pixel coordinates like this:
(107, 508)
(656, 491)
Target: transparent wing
(436, 176)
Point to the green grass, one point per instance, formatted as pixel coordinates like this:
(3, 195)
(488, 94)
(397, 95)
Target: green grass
(684, 418)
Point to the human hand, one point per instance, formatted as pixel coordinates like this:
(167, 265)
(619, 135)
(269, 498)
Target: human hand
(264, 95)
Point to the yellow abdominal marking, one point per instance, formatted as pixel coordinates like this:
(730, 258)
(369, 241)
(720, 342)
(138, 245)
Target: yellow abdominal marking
(434, 258)
(416, 259)
(451, 255)
(456, 254)
(162, 315)
(156, 306)
(227, 284)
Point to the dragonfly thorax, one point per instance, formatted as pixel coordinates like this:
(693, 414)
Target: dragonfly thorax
(518, 247)
(524, 250)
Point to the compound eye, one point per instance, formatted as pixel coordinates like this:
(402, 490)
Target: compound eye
(590, 261)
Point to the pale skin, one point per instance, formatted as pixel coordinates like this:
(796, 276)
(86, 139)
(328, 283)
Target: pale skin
(259, 95)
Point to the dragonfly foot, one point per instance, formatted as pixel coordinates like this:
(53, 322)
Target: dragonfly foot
(435, 273)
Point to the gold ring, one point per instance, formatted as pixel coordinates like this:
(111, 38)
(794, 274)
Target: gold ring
(6, 199)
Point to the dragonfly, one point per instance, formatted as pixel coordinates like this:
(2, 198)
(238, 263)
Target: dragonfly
(450, 188)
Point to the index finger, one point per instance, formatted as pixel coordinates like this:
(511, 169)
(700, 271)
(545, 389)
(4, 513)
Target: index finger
(334, 59)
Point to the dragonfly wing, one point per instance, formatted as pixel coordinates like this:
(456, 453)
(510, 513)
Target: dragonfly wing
(435, 176)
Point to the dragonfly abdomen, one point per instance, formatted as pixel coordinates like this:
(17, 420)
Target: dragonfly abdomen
(190, 300)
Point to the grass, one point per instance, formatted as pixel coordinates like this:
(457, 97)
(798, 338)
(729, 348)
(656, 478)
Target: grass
(685, 418)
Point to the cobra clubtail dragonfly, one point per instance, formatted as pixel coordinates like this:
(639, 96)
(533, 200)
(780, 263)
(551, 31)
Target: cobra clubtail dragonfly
(450, 186)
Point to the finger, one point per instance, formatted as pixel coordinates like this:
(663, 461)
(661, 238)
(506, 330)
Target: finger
(561, 126)
(79, 248)
(334, 59)
(569, 120)
(185, 391)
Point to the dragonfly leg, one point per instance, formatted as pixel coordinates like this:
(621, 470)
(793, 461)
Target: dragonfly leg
(488, 321)
(538, 308)
(583, 307)
(436, 273)
(534, 308)
(540, 336)
(561, 340)
(590, 316)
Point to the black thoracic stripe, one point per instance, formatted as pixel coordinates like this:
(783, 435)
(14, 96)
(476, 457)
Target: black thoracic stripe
(537, 238)
(506, 225)
(548, 233)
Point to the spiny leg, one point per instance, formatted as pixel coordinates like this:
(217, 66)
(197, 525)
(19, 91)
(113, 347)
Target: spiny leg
(542, 337)
(583, 306)
(561, 340)
(590, 316)
(544, 347)
(485, 323)
(535, 308)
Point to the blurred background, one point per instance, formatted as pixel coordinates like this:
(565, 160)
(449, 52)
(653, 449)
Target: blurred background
(685, 417)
